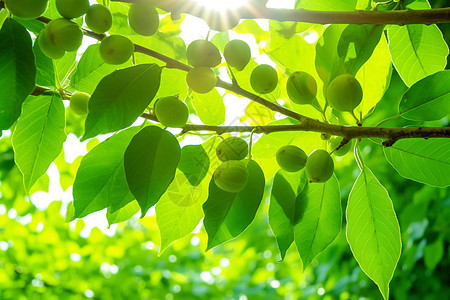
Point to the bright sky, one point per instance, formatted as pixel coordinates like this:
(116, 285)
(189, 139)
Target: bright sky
(192, 28)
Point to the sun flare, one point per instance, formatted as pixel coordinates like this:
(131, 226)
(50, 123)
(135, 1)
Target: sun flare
(221, 4)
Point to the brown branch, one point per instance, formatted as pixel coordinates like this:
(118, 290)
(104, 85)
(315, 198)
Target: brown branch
(397, 17)
(348, 132)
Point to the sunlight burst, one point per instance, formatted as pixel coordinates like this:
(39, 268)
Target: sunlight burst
(221, 4)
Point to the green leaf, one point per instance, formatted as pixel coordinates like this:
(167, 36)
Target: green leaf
(328, 63)
(17, 71)
(123, 213)
(39, 136)
(417, 51)
(374, 77)
(209, 107)
(45, 74)
(320, 220)
(194, 163)
(433, 253)
(428, 99)
(179, 210)
(228, 214)
(373, 232)
(151, 160)
(100, 181)
(285, 207)
(91, 69)
(357, 44)
(425, 161)
(120, 98)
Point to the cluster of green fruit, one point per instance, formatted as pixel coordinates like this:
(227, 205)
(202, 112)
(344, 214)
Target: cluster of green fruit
(203, 55)
(232, 174)
(344, 93)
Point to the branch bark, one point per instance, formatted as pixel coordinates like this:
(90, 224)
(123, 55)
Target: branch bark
(397, 17)
(390, 135)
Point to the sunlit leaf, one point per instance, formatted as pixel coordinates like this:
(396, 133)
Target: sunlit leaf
(194, 163)
(100, 181)
(373, 232)
(120, 98)
(209, 107)
(417, 51)
(427, 99)
(426, 161)
(286, 207)
(123, 213)
(39, 135)
(228, 214)
(320, 218)
(151, 160)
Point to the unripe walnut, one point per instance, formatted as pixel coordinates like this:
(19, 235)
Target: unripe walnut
(201, 79)
(79, 103)
(335, 142)
(201, 53)
(232, 148)
(231, 176)
(291, 158)
(301, 88)
(319, 166)
(98, 18)
(171, 111)
(26, 9)
(116, 49)
(344, 93)
(237, 54)
(71, 9)
(264, 79)
(143, 18)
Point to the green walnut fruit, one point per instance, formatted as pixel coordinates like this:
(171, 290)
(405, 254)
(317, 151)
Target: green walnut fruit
(264, 79)
(201, 53)
(237, 54)
(65, 34)
(171, 111)
(71, 9)
(26, 9)
(98, 18)
(334, 142)
(79, 103)
(301, 88)
(116, 49)
(231, 176)
(143, 18)
(344, 93)
(201, 79)
(48, 47)
(291, 158)
(222, 21)
(319, 166)
(232, 148)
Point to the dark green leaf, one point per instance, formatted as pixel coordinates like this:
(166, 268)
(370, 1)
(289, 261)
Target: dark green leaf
(373, 232)
(120, 98)
(320, 219)
(17, 71)
(428, 99)
(100, 181)
(228, 214)
(39, 136)
(285, 207)
(426, 161)
(356, 45)
(194, 163)
(151, 160)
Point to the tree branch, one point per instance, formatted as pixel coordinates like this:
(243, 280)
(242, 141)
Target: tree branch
(397, 17)
(391, 135)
